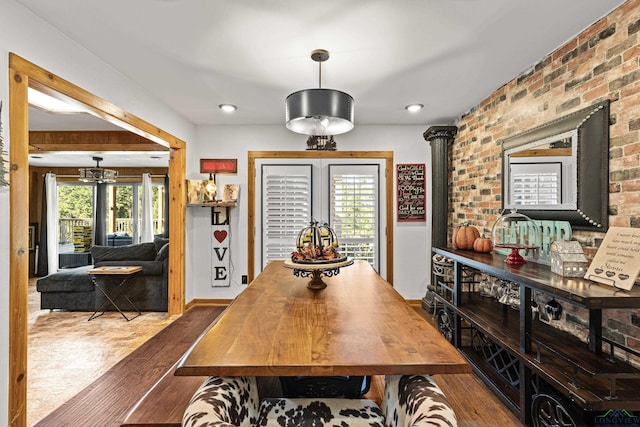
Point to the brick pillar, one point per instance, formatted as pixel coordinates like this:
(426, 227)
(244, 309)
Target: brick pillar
(439, 137)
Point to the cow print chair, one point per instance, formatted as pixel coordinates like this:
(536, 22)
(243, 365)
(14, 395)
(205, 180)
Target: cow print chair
(408, 401)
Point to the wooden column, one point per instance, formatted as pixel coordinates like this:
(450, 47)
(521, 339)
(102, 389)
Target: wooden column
(439, 137)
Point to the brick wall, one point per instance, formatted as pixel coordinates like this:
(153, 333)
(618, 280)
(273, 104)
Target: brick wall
(600, 63)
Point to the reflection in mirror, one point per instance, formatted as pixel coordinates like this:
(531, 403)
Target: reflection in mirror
(559, 171)
(543, 174)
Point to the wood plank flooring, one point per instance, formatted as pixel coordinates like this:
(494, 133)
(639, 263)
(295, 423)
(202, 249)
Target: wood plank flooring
(107, 400)
(66, 352)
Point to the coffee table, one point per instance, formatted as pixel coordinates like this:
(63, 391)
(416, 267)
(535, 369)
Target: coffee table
(125, 273)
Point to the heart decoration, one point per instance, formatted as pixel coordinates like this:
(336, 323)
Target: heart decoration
(598, 270)
(623, 276)
(610, 273)
(220, 235)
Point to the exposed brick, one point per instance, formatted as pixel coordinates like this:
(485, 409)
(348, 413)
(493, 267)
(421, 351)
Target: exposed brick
(519, 95)
(543, 63)
(577, 81)
(606, 33)
(618, 49)
(634, 27)
(575, 53)
(634, 221)
(624, 80)
(555, 74)
(614, 336)
(634, 125)
(621, 141)
(524, 76)
(623, 327)
(606, 66)
(568, 105)
(625, 175)
(544, 89)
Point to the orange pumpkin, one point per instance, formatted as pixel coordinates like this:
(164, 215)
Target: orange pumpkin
(464, 236)
(483, 245)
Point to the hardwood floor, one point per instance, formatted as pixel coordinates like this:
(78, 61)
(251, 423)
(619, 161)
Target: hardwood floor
(66, 352)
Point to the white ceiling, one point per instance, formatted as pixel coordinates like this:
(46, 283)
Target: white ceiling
(196, 54)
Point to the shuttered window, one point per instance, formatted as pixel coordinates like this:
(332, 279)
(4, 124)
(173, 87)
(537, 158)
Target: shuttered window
(286, 208)
(354, 210)
(536, 184)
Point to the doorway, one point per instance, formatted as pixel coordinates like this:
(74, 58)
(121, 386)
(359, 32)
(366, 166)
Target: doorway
(255, 157)
(22, 75)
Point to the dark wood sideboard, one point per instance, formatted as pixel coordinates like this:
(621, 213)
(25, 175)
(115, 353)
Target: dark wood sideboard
(538, 370)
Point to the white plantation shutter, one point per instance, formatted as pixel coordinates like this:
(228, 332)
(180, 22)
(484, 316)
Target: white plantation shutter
(354, 210)
(286, 208)
(536, 184)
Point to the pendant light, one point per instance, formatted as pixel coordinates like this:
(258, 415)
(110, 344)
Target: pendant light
(98, 175)
(319, 112)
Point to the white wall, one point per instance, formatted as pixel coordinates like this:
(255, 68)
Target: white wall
(412, 240)
(28, 36)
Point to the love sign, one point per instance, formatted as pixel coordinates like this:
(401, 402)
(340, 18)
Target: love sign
(220, 255)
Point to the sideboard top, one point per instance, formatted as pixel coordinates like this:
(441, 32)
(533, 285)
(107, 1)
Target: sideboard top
(580, 291)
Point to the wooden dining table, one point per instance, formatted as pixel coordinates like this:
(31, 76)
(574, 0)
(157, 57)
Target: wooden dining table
(358, 325)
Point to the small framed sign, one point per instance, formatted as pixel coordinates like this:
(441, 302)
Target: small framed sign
(411, 192)
(218, 165)
(617, 262)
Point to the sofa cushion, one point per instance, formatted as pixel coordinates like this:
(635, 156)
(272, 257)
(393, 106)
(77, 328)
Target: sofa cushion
(279, 412)
(137, 252)
(163, 253)
(159, 242)
(67, 280)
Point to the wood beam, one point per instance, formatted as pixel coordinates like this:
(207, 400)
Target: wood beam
(90, 141)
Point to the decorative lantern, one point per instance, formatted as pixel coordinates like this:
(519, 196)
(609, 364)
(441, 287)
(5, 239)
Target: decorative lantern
(515, 231)
(567, 259)
(316, 243)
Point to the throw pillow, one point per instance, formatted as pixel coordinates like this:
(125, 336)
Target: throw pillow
(159, 242)
(163, 253)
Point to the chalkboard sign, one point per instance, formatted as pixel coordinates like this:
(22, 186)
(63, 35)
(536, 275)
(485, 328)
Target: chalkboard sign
(411, 192)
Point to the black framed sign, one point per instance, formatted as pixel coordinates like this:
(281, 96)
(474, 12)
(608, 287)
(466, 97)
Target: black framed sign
(411, 192)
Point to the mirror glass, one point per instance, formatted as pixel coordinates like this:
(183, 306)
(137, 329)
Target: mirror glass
(559, 171)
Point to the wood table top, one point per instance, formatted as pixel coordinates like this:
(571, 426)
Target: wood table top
(114, 269)
(358, 325)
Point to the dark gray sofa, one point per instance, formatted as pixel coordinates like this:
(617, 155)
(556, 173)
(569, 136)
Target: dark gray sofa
(72, 289)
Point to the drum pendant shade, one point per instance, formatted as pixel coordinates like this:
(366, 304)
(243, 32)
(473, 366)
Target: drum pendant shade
(319, 112)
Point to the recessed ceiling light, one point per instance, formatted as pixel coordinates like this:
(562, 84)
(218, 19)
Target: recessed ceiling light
(228, 108)
(412, 108)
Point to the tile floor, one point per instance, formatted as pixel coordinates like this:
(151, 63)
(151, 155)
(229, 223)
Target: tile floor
(66, 352)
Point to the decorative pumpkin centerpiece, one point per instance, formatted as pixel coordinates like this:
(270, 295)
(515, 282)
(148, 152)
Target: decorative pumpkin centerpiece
(464, 236)
(316, 244)
(317, 255)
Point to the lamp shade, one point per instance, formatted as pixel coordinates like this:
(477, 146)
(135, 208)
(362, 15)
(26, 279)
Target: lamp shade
(319, 112)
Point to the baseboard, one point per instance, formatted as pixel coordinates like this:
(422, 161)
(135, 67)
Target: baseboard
(207, 301)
